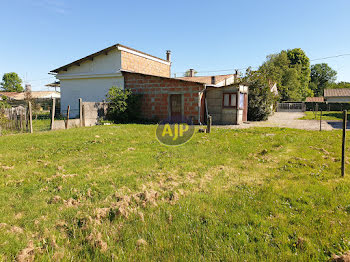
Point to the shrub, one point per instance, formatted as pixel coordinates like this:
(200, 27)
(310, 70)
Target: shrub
(124, 106)
(260, 99)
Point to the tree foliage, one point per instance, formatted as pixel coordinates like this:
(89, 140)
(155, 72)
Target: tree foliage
(124, 106)
(187, 73)
(322, 76)
(260, 99)
(11, 82)
(290, 69)
(339, 85)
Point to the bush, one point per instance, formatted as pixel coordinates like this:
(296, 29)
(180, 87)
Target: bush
(260, 98)
(124, 106)
(3, 103)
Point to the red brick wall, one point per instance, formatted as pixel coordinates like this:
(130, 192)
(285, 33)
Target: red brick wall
(143, 65)
(156, 91)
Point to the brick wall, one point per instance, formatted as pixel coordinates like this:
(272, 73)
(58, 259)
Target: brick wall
(156, 92)
(143, 65)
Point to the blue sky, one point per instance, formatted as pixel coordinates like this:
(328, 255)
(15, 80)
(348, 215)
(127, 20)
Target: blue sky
(40, 35)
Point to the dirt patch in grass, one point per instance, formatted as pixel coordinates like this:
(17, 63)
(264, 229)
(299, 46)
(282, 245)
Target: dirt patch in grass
(27, 254)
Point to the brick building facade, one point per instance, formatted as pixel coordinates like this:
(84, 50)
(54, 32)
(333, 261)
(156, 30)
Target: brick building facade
(91, 77)
(135, 63)
(158, 93)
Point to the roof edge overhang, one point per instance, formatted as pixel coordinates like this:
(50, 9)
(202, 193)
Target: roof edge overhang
(164, 77)
(105, 51)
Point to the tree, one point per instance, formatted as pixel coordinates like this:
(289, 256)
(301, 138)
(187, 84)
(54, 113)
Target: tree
(187, 73)
(124, 106)
(339, 85)
(11, 82)
(290, 69)
(260, 99)
(322, 76)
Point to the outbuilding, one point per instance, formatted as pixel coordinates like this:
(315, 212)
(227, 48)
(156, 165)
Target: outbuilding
(163, 97)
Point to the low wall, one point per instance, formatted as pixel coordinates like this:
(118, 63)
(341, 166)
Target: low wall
(61, 124)
(93, 112)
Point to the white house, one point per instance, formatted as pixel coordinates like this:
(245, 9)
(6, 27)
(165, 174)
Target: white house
(91, 77)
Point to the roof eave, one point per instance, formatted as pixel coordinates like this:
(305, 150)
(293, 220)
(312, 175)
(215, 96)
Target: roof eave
(103, 51)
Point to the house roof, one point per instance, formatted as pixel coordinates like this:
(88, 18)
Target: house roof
(9, 94)
(34, 94)
(206, 79)
(103, 51)
(315, 99)
(163, 77)
(337, 92)
(54, 84)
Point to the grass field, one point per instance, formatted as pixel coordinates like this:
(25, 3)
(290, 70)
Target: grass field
(327, 115)
(115, 193)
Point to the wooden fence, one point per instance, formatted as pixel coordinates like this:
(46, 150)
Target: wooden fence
(14, 119)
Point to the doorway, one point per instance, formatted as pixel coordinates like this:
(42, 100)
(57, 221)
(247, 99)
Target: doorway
(176, 107)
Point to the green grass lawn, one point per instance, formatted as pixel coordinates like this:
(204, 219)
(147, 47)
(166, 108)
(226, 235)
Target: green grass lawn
(327, 115)
(114, 193)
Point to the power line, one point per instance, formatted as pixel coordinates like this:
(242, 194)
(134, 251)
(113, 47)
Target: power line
(232, 69)
(327, 57)
(35, 80)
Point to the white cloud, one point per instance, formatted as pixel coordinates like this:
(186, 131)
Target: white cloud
(57, 6)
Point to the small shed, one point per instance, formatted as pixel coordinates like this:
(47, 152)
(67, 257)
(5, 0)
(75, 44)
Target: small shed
(228, 105)
(340, 95)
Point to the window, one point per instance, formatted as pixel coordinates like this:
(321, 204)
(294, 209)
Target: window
(230, 100)
(241, 101)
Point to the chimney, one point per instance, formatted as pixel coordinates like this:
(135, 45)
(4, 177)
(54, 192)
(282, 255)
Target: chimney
(191, 73)
(168, 55)
(236, 76)
(28, 88)
(213, 80)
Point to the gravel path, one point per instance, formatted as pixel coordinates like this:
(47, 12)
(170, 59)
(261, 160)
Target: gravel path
(290, 120)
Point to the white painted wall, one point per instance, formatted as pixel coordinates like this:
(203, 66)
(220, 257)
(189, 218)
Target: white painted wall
(90, 81)
(102, 64)
(340, 99)
(89, 89)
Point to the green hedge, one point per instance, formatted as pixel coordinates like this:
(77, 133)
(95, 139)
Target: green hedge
(310, 106)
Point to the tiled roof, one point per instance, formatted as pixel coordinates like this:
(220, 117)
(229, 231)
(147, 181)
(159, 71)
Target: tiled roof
(337, 92)
(207, 79)
(164, 77)
(9, 94)
(34, 94)
(315, 99)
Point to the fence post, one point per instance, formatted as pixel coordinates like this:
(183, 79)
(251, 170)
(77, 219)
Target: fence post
(30, 117)
(209, 124)
(21, 120)
(343, 144)
(81, 111)
(53, 112)
(67, 117)
(83, 114)
(321, 121)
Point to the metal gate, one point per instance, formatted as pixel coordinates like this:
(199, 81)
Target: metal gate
(291, 107)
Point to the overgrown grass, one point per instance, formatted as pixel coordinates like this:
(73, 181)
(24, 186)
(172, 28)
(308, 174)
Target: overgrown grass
(114, 193)
(327, 115)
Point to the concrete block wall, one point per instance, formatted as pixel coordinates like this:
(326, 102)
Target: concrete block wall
(219, 114)
(143, 65)
(156, 92)
(61, 124)
(93, 111)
